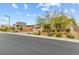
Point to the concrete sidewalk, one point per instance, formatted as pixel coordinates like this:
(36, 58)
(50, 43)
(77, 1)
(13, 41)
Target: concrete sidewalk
(39, 36)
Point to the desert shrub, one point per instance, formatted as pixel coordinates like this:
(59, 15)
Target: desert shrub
(59, 34)
(68, 30)
(58, 30)
(50, 34)
(70, 36)
(53, 30)
(5, 29)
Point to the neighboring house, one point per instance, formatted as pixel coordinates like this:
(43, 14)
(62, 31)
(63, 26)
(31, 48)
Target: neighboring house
(22, 27)
(37, 29)
(19, 26)
(63, 23)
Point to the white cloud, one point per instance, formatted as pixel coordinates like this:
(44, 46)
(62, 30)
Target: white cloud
(73, 3)
(34, 15)
(69, 11)
(55, 4)
(18, 13)
(15, 6)
(4, 18)
(45, 9)
(46, 6)
(66, 11)
(72, 10)
(27, 14)
(25, 6)
(60, 10)
(39, 5)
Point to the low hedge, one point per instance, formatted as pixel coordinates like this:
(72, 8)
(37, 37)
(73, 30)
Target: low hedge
(70, 36)
(59, 35)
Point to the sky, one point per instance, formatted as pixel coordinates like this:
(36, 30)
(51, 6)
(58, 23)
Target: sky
(27, 12)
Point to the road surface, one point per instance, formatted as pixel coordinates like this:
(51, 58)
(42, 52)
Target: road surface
(11, 44)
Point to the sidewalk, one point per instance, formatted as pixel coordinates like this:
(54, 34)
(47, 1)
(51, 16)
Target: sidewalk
(39, 36)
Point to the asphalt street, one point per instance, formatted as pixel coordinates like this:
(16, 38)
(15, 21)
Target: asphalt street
(11, 44)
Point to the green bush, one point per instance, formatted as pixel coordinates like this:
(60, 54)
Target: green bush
(53, 30)
(68, 30)
(50, 34)
(70, 36)
(4, 29)
(59, 35)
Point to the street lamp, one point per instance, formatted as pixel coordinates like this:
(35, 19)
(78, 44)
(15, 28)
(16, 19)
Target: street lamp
(8, 19)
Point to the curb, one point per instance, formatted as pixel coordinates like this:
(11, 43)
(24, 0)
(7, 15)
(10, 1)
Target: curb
(39, 36)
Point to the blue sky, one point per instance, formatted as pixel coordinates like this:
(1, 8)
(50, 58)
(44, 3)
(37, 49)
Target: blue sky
(27, 12)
